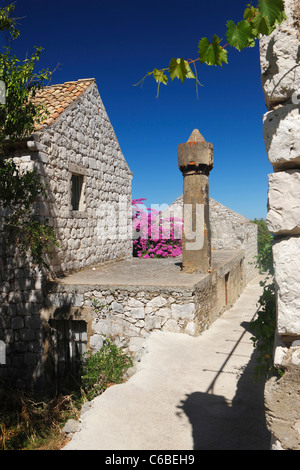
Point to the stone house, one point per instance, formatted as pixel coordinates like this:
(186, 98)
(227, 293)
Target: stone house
(77, 152)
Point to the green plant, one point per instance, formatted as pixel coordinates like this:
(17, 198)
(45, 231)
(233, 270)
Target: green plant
(264, 247)
(98, 306)
(103, 368)
(257, 21)
(263, 328)
(20, 226)
(19, 115)
(31, 422)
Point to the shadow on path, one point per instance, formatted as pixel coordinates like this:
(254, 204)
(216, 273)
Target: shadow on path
(239, 425)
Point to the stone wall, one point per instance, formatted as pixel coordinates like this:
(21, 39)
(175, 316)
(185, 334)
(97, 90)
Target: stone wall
(20, 322)
(82, 142)
(128, 314)
(281, 125)
(229, 231)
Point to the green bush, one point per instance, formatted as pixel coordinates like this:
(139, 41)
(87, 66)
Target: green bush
(103, 368)
(264, 246)
(263, 327)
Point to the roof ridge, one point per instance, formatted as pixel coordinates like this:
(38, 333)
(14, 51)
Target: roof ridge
(69, 81)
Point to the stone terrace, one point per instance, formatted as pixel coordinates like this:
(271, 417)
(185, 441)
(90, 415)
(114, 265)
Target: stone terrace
(139, 296)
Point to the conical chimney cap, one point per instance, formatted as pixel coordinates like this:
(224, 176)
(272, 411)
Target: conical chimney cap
(196, 136)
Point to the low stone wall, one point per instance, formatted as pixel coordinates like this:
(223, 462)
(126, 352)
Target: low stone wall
(31, 309)
(229, 231)
(128, 314)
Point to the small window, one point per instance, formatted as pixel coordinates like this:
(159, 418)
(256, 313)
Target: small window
(77, 192)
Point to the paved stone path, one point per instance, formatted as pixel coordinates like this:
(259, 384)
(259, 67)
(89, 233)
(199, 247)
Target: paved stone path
(187, 394)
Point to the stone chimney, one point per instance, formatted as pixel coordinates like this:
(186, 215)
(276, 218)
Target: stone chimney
(195, 161)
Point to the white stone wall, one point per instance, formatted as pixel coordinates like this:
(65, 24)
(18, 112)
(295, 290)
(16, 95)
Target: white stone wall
(232, 231)
(229, 231)
(280, 64)
(128, 314)
(82, 141)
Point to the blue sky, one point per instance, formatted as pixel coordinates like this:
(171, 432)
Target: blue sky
(117, 42)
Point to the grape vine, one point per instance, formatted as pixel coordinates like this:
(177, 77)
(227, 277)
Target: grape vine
(257, 21)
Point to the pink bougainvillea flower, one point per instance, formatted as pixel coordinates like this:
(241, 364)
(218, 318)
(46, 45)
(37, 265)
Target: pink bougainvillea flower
(154, 236)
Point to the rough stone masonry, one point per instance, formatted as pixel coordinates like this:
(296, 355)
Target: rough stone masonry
(280, 56)
(77, 141)
(195, 161)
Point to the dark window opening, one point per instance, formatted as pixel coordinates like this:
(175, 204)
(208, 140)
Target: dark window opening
(69, 342)
(76, 191)
(226, 288)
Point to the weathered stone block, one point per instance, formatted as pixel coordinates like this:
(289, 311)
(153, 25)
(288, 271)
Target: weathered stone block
(102, 327)
(281, 128)
(284, 203)
(157, 302)
(96, 342)
(152, 323)
(286, 254)
(117, 307)
(165, 312)
(138, 313)
(27, 334)
(135, 303)
(183, 312)
(171, 326)
(136, 344)
(190, 328)
(279, 60)
(17, 323)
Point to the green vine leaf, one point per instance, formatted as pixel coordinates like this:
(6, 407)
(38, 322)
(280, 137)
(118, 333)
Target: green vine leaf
(239, 36)
(261, 25)
(260, 20)
(271, 9)
(250, 12)
(180, 68)
(211, 53)
(160, 77)
(189, 73)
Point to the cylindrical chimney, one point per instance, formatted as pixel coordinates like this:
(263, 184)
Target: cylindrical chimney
(195, 160)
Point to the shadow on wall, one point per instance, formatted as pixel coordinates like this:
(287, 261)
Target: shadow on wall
(217, 425)
(20, 322)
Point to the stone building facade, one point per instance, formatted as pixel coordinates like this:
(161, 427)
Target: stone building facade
(280, 68)
(88, 181)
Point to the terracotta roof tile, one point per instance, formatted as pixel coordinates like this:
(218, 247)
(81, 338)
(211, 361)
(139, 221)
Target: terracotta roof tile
(56, 98)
